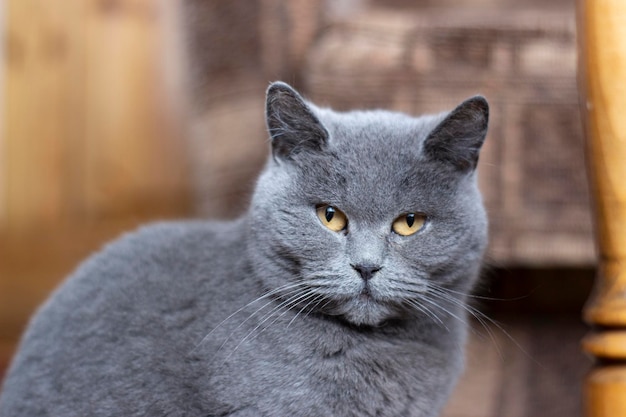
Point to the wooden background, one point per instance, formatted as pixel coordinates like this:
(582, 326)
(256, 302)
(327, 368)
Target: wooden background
(90, 141)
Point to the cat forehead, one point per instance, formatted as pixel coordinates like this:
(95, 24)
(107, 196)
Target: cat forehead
(384, 128)
(372, 164)
(375, 143)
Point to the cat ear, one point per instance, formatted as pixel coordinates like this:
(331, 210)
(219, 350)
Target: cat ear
(291, 123)
(458, 138)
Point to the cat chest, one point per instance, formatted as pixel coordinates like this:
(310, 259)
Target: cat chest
(339, 382)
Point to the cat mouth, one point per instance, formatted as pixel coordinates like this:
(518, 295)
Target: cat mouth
(367, 300)
(364, 307)
(365, 294)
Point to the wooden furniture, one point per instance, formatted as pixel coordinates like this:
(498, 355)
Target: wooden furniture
(603, 84)
(89, 142)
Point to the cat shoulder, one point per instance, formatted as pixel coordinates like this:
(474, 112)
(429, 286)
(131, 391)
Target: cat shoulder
(156, 251)
(174, 237)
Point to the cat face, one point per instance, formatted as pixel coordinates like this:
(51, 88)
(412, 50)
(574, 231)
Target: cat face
(360, 215)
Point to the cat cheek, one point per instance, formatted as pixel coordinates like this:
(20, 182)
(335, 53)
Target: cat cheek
(407, 247)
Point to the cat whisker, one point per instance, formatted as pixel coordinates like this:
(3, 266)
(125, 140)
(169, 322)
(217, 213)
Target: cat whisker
(287, 306)
(475, 296)
(323, 281)
(427, 312)
(294, 300)
(323, 307)
(319, 297)
(441, 308)
(293, 304)
(482, 318)
(437, 292)
(292, 287)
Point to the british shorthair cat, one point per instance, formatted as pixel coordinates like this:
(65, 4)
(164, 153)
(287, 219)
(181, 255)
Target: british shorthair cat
(340, 292)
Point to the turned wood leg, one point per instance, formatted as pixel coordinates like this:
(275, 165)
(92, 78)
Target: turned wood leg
(602, 76)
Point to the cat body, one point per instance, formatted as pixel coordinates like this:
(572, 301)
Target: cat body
(282, 312)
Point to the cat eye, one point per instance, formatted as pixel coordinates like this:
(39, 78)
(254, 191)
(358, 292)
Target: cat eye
(332, 218)
(408, 224)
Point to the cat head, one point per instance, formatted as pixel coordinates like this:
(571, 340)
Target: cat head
(362, 215)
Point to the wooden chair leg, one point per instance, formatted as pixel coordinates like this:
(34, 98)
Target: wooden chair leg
(602, 67)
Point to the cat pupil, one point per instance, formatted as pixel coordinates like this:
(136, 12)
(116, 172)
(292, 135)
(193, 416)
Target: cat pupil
(330, 213)
(410, 219)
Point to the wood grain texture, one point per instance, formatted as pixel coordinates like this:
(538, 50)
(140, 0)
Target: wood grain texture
(36, 69)
(608, 345)
(88, 128)
(603, 84)
(90, 142)
(603, 69)
(604, 392)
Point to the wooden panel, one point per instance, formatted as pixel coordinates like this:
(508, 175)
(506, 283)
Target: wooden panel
(90, 144)
(125, 149)
(38, 72)
(88, 131)
(2, 131)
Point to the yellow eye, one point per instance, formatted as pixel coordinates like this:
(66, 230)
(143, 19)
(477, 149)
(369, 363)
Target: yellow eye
(409, 223)
(332, 218)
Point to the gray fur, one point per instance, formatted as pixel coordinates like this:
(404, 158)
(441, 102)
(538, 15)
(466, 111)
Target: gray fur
(263, 316)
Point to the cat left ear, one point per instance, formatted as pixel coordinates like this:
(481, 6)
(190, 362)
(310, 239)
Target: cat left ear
(458, 138)
(291, 123)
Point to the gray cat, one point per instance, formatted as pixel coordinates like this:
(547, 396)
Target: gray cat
(341, 292)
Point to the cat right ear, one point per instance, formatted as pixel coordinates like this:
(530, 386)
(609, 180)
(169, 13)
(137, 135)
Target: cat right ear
(291, 123)
(458, 138)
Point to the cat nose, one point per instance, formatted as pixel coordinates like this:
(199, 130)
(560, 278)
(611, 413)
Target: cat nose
(366, 271)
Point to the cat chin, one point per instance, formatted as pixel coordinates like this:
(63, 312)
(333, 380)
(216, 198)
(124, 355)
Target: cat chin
(364, 311)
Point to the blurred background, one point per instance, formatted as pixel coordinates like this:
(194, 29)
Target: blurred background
(114, 113)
